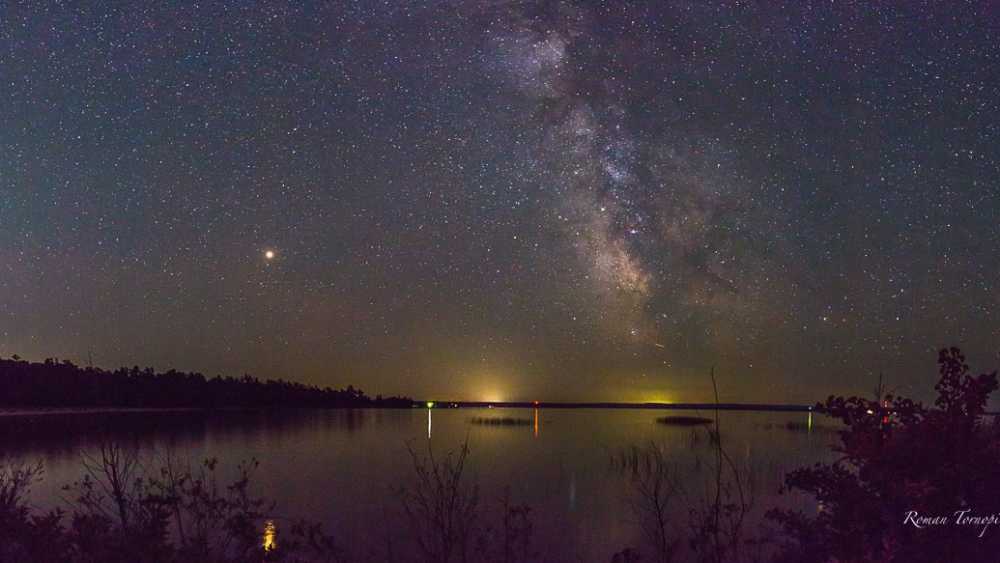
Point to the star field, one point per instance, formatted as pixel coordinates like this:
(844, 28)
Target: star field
(557, 200)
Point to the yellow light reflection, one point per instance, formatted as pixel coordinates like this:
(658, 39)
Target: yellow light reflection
(270, 536)
(536, 423)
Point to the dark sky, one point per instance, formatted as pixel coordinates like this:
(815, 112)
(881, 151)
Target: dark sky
(497, 200)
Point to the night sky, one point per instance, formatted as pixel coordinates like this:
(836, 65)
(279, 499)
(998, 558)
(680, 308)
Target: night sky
(497, 200)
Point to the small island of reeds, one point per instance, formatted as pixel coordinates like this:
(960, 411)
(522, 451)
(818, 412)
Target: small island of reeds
(500, 421)
(683, 420)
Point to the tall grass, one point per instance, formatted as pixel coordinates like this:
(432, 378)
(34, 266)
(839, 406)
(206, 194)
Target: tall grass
(709, 523)
(449, 523)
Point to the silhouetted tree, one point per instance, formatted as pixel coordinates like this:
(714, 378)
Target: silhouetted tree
(902, 461)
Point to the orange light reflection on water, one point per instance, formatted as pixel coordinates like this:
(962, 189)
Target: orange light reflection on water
(270, 536)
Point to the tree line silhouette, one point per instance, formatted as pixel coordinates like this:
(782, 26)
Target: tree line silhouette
(63, 384)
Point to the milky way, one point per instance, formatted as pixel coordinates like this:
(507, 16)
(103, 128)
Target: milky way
(520, 200)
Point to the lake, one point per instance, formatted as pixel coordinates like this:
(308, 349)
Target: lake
(344, 467)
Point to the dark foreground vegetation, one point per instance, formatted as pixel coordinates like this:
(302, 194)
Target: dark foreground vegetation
(121, 512)
(55, 384)
(902, 462)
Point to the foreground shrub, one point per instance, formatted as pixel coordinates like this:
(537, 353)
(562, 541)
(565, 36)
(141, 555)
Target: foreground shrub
(121, 513)
(903, 463)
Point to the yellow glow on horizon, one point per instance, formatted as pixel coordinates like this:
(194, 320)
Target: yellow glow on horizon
(656, 397)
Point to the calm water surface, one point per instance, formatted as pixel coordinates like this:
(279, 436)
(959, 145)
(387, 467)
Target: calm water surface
(341, 467)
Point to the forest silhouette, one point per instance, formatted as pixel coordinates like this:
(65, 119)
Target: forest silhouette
(55, 384)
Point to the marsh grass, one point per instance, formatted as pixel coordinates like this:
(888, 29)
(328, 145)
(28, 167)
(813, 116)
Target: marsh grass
(448, 521)
(707, 524)
(501, 421)
(683, 420)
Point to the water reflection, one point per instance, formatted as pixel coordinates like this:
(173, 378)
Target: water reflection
(270, 536)
(67, 433)
(340, 464)
(572, 491)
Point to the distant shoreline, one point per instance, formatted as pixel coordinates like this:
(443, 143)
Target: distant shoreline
(36, 411)
(437, 405)
(12, 411)
(607, 405)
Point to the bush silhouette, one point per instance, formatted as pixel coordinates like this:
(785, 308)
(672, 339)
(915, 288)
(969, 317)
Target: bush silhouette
(901, 462)
(121, 512)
